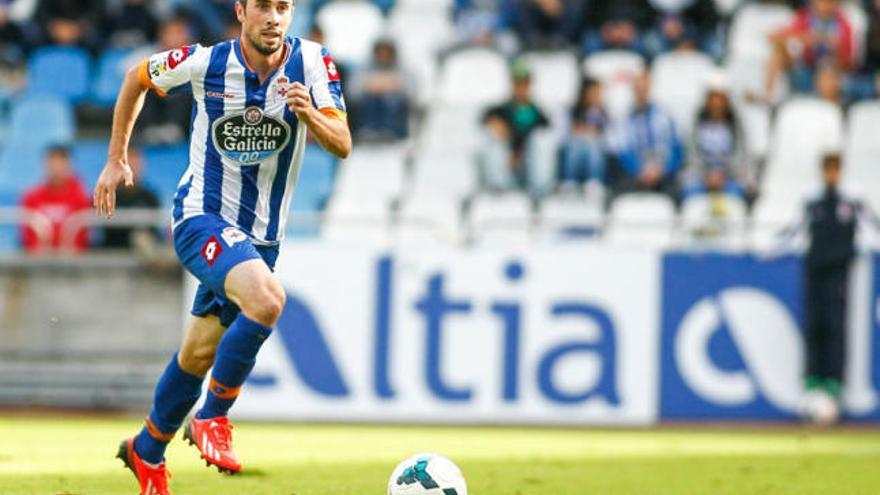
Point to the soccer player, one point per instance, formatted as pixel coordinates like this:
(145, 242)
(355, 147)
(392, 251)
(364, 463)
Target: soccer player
(255, 99)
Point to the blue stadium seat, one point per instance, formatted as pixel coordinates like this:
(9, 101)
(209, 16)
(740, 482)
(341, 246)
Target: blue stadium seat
(313, 190)
(38, 121)
(61, 71)
(316, 177)
(88, 161)
(9, 239)
(111, 73)
(163, 167)
(21, 167)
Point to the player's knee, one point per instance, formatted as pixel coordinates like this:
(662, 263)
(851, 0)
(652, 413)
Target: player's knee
(266, 304)
(197, 360)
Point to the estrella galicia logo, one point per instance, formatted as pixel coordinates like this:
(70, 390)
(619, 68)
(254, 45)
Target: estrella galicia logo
(250, 137)
(732, 345)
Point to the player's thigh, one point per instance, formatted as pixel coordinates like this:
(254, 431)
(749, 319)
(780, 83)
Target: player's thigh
(253, 288)
(199, 345)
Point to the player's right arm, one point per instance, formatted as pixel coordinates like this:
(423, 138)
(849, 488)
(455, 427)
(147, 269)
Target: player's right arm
(116, 171)
(162, 72)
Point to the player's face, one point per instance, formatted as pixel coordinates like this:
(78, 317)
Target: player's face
(265, 22)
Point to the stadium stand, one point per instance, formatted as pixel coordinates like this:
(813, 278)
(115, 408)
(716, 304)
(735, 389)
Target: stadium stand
(433, 175)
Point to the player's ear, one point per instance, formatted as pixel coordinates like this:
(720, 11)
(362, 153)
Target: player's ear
(240, 7)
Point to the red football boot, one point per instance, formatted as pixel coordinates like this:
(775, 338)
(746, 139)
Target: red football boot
(213, 438)
(153, 480)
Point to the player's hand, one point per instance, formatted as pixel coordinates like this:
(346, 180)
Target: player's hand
(116, 171)
(299, 100)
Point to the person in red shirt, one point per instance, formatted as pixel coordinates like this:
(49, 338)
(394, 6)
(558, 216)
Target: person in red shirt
(820, 33)
(57, 199)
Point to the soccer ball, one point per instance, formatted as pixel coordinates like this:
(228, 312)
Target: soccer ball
(427, 474)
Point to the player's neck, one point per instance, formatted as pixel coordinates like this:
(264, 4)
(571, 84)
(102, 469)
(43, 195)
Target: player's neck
(263, 65)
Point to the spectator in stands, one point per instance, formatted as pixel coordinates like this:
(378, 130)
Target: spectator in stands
(829, 84)
(485, 23)
(12, 39)
(583, 153)
(165, 120)
(820, 32)
(209, 17)
(61, 196)
(70, 22)
(516, 154)
(129, 24)
(550, 23)
(717, 157)
(618, 24)
(384, 5)
(868, 83)
(686, 24)
(650, 149)
(138, 196)
(383, 91)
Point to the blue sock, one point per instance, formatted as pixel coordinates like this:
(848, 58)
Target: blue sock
(176, 394)
(236, 356)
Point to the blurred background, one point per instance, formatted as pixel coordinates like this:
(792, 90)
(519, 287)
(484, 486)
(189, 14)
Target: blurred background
(557, 211)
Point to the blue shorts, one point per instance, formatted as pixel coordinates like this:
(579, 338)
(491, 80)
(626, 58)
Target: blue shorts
(209, 247)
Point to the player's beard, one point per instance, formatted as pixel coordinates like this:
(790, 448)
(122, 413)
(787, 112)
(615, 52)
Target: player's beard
(262, 47)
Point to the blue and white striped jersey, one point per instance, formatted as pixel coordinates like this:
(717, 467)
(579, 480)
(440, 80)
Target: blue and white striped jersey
(246, 146)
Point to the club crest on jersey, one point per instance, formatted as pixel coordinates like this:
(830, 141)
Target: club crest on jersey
(250, 137)
(332, 71)
(232, 236)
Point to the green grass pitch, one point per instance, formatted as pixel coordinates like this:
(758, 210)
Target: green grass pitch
(52, 456)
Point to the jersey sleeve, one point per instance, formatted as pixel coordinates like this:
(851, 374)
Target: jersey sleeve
(325, 85)
(169, 71)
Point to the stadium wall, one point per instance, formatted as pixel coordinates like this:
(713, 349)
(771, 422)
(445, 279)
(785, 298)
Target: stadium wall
(553, 335)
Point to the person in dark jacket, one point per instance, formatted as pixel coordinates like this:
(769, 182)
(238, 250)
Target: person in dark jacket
(831, 219)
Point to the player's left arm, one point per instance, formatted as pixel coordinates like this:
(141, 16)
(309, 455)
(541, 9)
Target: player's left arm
(329, 126)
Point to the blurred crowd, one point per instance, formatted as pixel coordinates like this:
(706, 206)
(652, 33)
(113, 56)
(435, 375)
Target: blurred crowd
(523, 148)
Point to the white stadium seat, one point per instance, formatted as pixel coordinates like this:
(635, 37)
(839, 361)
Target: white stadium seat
(641, 220)
(616, 69)
(350, 29)
(755, 120)
(555, 79)
(727, 7)
(501, 219)
(564, 218)
(476, 76)
(452, 128)
(770, 217)
(444, 174)
(419, 37)
(805, 129)
(752, 26)
(714, 220)
(373, 171)
(678, 84)
(863, 147)
(427, 218)
(355, 218)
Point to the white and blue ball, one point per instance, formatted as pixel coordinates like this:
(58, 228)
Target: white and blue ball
(427, 474)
